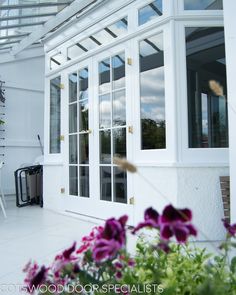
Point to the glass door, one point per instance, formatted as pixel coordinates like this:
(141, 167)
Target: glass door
(99, 124)
(79, 168)
(112, 127)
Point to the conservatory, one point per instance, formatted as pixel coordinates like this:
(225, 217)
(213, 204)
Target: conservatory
(131, 79)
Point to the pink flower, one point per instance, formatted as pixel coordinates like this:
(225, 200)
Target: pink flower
(176, 222)
(110, 240)
(172, 222)
(131, 263)
(231, 229)
(36, 276)
(118, 275)
(63, 259)
(105, 249)
(114, 229)
(164, 246)
(88, 241)
(118, 265)
(151, 219)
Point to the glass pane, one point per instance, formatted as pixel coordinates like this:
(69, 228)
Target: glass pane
(57, 60)
(118, 71)
(119, 142)
(203, 4)
(105, 111)
(72, 87)
(105, 147)
(74, 52)
(120, 186)
(83, 115)
(150, 12)
(73, 180)
(105, 183)
(104, 76)
(88, 44)
(55, 116)
(73, 149)
(103, 37)
(119, 28)
(73, 118)
(84, 181)
(83, 84)
(84, 148)
(152, 91)
(119, 108)
(207, 106)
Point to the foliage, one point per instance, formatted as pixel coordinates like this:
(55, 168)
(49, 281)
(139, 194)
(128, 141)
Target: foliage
(161, 265)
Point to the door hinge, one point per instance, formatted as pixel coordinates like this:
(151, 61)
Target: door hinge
(129, 61)
(131, 129)
(62, 138)
(62, 190)
(62, 86)
(131, 201)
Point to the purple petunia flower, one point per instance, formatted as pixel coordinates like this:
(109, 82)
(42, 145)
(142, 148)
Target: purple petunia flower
(105, 249)
(63, 259)
(88, 241)
(164, 246)
(67, 253)
(36, 276)
(176, 222)
(111, 239)
(118, 275)
(118, 265)
(131, 262)
(231, 229)
(151, 219)
(114, 229)
(172, 222)
(39, 278)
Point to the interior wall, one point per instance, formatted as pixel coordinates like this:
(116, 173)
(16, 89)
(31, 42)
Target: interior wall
(24, 84)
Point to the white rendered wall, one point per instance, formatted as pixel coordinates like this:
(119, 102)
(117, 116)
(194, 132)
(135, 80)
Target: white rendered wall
(24, 113)
(230, 37)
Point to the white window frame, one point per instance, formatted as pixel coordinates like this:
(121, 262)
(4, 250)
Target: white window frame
(203, 12)
(156, 157)
(187, 155)
(52, 158)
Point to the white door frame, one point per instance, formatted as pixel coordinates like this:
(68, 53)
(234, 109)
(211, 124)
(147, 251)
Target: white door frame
(93, 206)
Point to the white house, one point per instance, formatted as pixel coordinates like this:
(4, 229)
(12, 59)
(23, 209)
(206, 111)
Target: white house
(130, 78)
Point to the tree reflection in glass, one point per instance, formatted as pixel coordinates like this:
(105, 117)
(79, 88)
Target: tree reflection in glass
(119, 142)
(84, 181)
(105, 183)
(120, 185)
(83, 115)
(84, 148)
(73, 149)
(73, 180)
(152, 93)
(105, 147)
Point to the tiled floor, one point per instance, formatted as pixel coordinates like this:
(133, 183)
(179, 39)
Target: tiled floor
(33, 233)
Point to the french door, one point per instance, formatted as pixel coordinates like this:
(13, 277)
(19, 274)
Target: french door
(99, 120)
